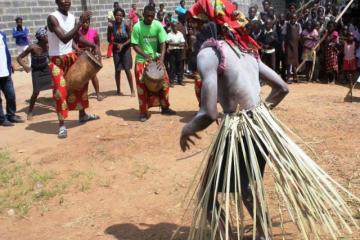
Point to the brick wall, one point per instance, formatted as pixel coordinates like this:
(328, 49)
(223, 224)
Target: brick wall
(35, 12)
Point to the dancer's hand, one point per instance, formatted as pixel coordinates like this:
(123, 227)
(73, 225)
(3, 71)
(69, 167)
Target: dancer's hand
(27, 69)
(148, 58)
(185, 139)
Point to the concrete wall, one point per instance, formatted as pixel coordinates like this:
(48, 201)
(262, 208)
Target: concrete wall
(35, 12)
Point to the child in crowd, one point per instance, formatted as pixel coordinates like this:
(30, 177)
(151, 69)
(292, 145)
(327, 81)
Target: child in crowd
(331, 53)
(292, 33)
(162, 9)
(268, 39)
(161, 18)
(21, 36)
(191, 39)
(310, 37)
(176, 43)
(349, 62)
(133, 14)
(280, 54)
(256, 29)
(90, 34)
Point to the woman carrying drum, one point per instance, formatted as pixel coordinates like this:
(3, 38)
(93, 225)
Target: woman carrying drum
(121, 49)
(90, 34)
(41, 77)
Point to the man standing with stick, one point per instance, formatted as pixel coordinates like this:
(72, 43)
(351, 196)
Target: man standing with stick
(62, 30)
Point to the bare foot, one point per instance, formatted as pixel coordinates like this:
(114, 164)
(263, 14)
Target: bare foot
(132, 94)
(119, 93)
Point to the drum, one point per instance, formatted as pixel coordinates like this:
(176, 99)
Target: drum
(154, 77)
(84, 69)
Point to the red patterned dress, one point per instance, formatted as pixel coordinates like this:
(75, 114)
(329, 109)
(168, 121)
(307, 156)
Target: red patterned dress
(65, 99)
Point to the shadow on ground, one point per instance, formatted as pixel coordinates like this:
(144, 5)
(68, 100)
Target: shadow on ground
(165, 231)
(42, 106)
(50, 127)
(186, 116)
(132, 114)
(111, 93)
(160, 231)
(350, 99)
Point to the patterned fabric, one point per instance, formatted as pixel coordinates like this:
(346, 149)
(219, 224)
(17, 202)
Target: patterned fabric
(217, 45)
(146, 98)
(65, 99)
(198, 86)
(40, 33)
(224, 14)
(349, 65)
(331, 58)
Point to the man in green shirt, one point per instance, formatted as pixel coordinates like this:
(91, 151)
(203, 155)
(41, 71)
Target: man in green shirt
(147, 38)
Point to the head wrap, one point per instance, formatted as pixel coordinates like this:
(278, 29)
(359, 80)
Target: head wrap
(223, 13)
(40, 33)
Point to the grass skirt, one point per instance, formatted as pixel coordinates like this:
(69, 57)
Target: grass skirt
(311, 196)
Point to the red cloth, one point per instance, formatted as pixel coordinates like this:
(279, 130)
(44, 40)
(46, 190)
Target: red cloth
(66, 100)
(198, 86)
(349, 65)
(146, 98)
(110, 47)
(331, 59)
(224, 14)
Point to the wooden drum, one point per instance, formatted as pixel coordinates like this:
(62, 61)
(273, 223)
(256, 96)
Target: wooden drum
(84, 69)
(154, 77)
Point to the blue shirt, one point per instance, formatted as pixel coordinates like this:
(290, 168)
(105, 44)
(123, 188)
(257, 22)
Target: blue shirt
(180, 10)
(21, 36)
(8, 57)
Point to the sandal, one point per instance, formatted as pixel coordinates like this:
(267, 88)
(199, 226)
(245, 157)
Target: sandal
(144, 117)
(100, 97)
(88, 117)
(62, 132)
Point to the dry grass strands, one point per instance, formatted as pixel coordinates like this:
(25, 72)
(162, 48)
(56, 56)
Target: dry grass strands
(311, 197)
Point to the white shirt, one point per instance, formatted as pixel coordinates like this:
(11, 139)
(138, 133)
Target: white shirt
(56, 46)
(175, 38)
(4, 71)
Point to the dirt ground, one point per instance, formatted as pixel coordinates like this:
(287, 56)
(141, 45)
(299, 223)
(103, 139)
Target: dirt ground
(134, 176)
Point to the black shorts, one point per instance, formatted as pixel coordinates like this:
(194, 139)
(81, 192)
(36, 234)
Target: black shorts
(123, 59)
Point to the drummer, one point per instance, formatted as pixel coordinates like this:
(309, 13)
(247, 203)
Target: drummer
(62, 31)
(147, 37)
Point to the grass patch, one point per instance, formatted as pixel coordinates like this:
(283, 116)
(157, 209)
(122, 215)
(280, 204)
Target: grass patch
(22, 186)
(81, 180)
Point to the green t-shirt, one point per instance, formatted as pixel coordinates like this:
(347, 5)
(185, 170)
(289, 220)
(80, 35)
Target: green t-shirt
(148, 37)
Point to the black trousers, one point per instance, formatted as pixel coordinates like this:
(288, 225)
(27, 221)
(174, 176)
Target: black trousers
(176, 65)
(7, 87)
(269, 59)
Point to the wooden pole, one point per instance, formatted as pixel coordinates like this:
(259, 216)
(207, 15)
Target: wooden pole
(344, 11)
(304, 6)
(324, 37)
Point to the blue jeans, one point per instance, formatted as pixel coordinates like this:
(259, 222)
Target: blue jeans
(7, 87)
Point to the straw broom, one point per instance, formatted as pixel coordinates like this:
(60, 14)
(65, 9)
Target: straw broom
(309, 194)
